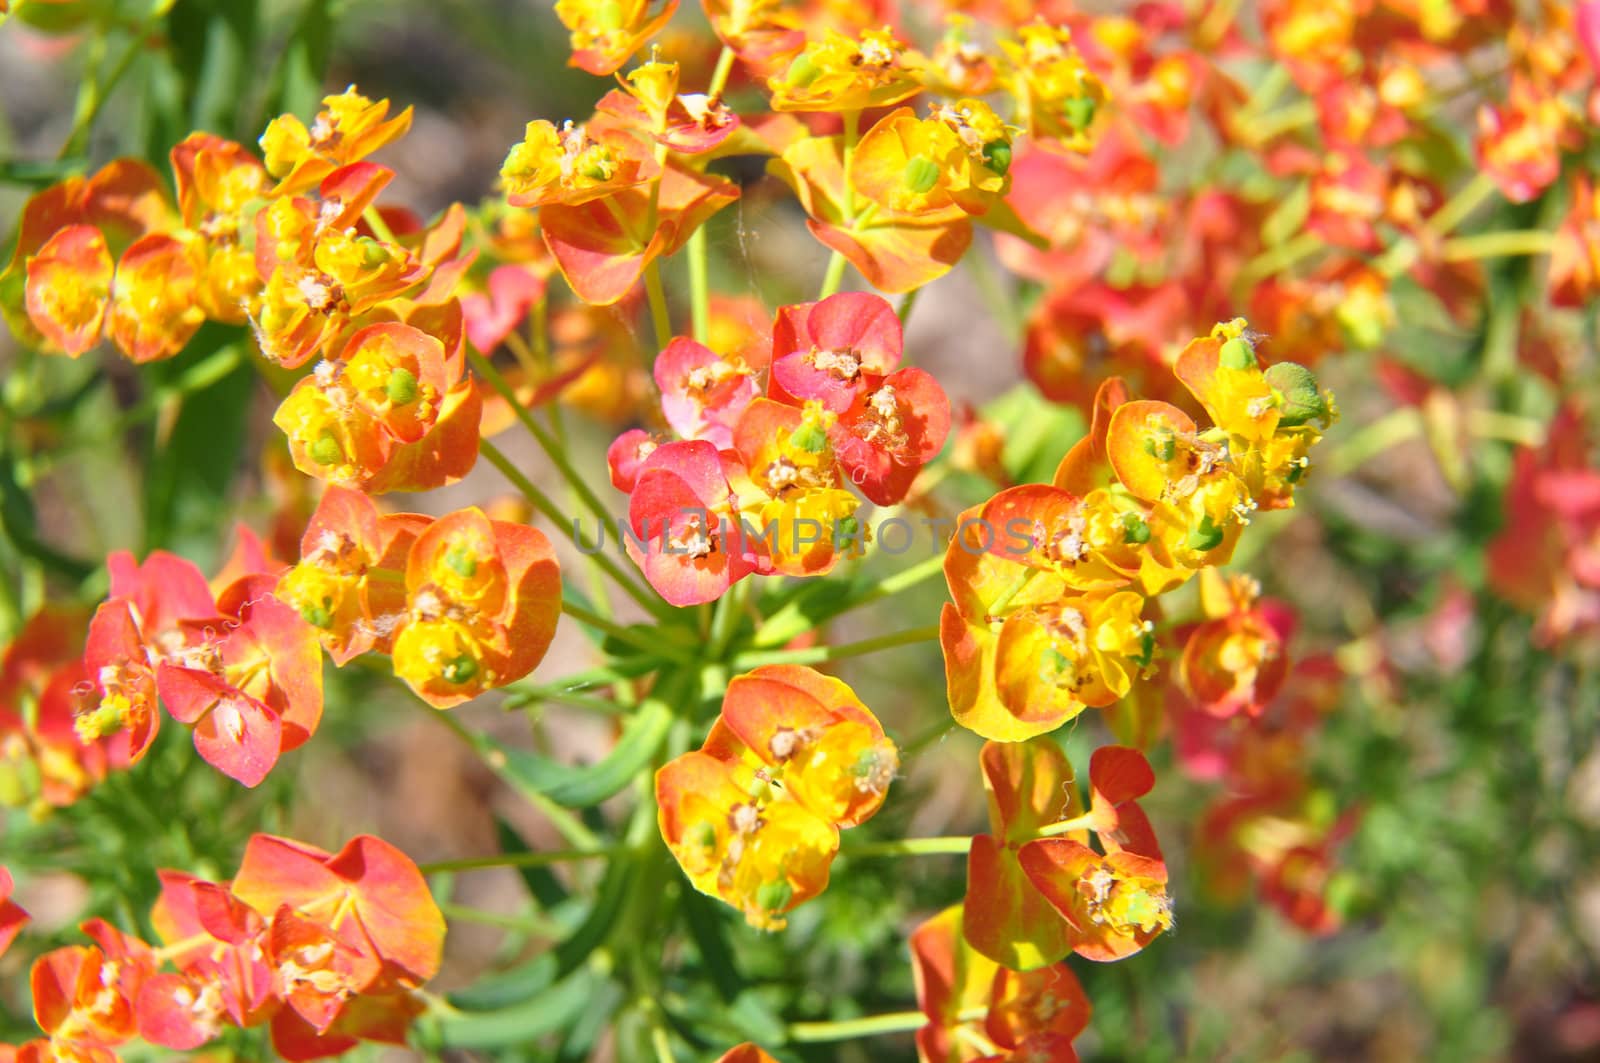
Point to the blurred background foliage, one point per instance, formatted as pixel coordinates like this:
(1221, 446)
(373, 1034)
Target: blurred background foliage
(1470, 888)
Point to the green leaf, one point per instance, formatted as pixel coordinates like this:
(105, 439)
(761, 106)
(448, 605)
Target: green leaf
(539, 1016)
(298, 80)
(580, 787)
(193, 470)
(541, 881)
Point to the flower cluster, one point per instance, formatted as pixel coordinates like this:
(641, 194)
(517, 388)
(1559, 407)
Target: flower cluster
(1053, 585)
(295, 247)
(754, 816)
(235, 665)
(758, 483)
(327, 950)
(463, 604)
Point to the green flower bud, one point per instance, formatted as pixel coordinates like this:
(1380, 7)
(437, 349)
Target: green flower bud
(1301, 399)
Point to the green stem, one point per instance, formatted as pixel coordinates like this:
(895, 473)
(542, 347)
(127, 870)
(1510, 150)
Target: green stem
(379, 227)
(650, 642)
(719, 76)
(818, 654)
(95, 91)
(908, 304)
(544, 928)
(834, 277)
(552, 448)
(539, 859)
(566, 824)
(1463, 203)
(1373, 439)
(699, 285)
(849, 1029)
(1496, 245)
(660, 320)
(546, 506)
(957, 844)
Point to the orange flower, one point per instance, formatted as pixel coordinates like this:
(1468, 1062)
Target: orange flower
(483, 601)
(1116, 904)
(838, 73)
(606, 33)
(350, 581)
(753, 817)
(348, 129)
(12, 917)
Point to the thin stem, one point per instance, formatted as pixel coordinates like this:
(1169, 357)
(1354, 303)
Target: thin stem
(380, 228)
(719, 76)
(1373, 439)
(1463, 203)
(660, 320)
(1497, 245)
(818, 654)
(849, 1029)
(544, 928)
(834, 277)
(651, 642)
(566, 824)
(908, 304)
(543, 503)
(952, 845)
(699, 285)
(552, 448)
(539, 859)
(94, 92)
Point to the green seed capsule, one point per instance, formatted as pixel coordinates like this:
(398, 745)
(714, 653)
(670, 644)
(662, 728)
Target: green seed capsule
(461, 562)
(921, 174)
(810, 438)
(1161, 444)
(701, 836)
(1296, 386)
(326, 450)
(1206, 537)
(401, 387)
(1237, 354)
(460, 670)
(1079, 112)
(997, 153)
(316, 615)
(774, 896)
(1134, 530)
(802, 72)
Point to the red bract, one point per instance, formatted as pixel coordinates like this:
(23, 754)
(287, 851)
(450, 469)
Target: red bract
(369, 887)
(833, 351)
(702, 394)
(250, 685)
(1236, 660)
(12, 917)
(686, 532)
(889, 433)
